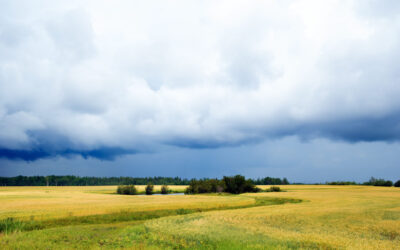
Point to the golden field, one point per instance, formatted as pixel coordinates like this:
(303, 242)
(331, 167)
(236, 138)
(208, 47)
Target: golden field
(329, 217)
(352, 217)
(55, 202)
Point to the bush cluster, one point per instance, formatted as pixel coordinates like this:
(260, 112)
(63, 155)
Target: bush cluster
(397, 184)
(164, 189)
(149, 189)
(273, 189)
(205, 186)
(127, 189)
(234, 184)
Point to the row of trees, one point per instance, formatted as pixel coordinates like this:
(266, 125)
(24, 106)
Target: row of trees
(70, 180)
(236, 184)
(372, 182)
(378, 182)
(341, 183)
(271, 181)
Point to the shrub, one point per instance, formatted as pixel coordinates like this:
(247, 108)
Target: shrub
(130, 189)
(149, 189)
(127, 189)
(397, 184)
(274, 189)
(164, 189)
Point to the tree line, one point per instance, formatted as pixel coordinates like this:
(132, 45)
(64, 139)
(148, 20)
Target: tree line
(270, 181)
(371, 182)
(71, 180)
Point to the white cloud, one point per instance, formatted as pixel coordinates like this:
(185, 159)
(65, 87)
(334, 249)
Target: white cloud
(132, 74)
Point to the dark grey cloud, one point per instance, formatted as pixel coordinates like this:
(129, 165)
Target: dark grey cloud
(105, 153)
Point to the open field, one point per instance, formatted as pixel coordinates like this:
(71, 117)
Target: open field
(329, 217)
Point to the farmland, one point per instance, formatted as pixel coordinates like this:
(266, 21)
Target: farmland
(305, 216)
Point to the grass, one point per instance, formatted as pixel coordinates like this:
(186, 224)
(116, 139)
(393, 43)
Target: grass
(331, 217)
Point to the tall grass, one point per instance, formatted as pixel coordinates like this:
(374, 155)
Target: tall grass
(11, 225)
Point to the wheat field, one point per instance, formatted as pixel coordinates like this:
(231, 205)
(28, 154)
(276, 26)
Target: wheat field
(328, 217)
(43, 203)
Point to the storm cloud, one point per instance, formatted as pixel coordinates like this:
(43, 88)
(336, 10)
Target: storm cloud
(108, 78)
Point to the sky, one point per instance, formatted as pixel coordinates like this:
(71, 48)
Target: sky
(308, 90)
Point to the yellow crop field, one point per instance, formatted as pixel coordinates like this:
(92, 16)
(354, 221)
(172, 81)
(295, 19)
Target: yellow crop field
(55, 202)
(328, 217)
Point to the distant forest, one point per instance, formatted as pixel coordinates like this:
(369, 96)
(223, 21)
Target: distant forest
(70, 180)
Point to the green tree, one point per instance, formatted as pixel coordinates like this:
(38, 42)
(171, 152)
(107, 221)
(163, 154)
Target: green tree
(164, 189)
(149, 189)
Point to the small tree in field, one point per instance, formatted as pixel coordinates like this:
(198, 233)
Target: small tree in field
(149, 189)
(164, 189)
(131, 190)
(397, 184)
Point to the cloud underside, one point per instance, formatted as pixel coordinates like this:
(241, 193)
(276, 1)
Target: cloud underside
(78, 79)
(35, 154)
